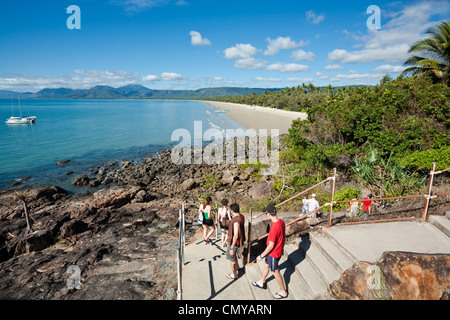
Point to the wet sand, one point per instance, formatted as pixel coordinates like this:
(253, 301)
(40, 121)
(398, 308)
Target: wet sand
(256, 117)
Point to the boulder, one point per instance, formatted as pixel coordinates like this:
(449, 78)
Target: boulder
(228, 177)
(260, 190)
(398, 276)
(188, 184)
(81, 181)
(413, 276)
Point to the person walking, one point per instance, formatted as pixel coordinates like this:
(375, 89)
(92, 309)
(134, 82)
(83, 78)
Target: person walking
(313, 204)
(273, 252)
(208, 219)
(224, 219)
(235, 240)
(353, 208)
(366, 206)
(305, 208)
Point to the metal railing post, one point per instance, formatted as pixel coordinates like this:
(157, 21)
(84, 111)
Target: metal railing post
(249, 235)
(333, 184)
(428, 195)
(180, 260)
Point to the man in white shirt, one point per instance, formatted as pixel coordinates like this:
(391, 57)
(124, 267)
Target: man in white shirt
(313, 205)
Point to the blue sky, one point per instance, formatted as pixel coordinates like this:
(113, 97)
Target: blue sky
(191, 44)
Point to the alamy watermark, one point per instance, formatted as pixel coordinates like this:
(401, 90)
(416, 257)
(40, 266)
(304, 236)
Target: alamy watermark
(230, 146)
(74, 21)
(74, 280)
(374, 21)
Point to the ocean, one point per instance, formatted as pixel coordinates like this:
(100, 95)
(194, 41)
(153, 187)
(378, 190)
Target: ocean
(91, 133)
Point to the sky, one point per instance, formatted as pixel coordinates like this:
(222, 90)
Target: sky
(192, 44)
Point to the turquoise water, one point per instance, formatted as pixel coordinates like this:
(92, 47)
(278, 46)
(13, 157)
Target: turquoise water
(91, 133)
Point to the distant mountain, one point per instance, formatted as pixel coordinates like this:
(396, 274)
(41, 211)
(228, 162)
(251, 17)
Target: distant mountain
(133, 92)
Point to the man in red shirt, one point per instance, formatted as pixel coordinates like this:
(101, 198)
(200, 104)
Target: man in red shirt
(273, 252)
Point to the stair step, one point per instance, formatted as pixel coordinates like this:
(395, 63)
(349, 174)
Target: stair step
(271, 283)
(332, 252)
(254, 274)
(324, 268)
(441, 222)
(310, 279)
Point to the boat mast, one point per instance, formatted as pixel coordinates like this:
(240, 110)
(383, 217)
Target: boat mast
(20, 107)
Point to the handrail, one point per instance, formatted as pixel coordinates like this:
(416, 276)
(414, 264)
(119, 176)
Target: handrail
(304, 191)
(180, 252)
(427, 197)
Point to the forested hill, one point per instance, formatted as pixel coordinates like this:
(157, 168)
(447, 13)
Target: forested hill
(133, 92)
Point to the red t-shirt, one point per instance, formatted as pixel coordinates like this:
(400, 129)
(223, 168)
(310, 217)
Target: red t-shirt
(277, 235)
(366, 204)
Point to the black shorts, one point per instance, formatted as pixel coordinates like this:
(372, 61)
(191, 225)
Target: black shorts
(208, 222)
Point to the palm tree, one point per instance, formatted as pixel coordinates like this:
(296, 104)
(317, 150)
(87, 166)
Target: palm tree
(433, 55)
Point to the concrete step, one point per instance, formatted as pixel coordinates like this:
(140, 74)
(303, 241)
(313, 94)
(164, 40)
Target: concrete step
(337, 258)
(322, 265)
(254, 274)
(447, 214)
(441, 222)
(305, 271)
(343, 253)
(271, 283)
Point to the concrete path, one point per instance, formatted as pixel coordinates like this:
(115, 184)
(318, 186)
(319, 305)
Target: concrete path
(311, 263)
(204, 274)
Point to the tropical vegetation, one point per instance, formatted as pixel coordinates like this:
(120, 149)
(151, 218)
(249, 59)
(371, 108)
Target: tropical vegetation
(385, 136)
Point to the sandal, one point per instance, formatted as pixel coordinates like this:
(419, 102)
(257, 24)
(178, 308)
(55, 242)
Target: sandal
(255, 284)
(278, 296)
(231, 276)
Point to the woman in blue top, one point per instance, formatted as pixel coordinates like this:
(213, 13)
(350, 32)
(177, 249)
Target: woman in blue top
(208, 219)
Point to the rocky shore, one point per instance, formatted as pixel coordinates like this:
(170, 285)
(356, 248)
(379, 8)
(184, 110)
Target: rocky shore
(122, 236)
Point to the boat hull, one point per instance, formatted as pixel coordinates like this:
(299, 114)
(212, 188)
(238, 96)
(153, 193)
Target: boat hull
(19, 120)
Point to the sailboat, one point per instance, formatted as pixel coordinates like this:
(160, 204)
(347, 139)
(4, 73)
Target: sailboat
(20, 120)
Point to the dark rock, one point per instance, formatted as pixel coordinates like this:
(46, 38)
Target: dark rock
(187, 184)
(398, 276)
(81, 181)
(260, 190)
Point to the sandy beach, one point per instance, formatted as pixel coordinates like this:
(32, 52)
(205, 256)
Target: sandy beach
(256, 117)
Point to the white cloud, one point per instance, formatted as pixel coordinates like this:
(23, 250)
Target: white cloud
(83, 79)
(363, 78)
(387, 68)
(135, 6)
(151, 77)
(359, 76)
(394, 54)
(197, 40)
(300, 55)
(96, 76)
(313, 17)
(240, 51)
(261, 79)
(390, 44)
(282, 43)
(171, 76)
(287, 67)
(300, 80)
(334, 67)
(250, 63)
